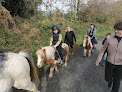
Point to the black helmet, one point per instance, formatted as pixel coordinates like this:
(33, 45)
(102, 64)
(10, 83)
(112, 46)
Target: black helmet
(93, 24)
(55, 27)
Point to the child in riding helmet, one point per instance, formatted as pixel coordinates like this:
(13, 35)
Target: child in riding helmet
(92, 33)
(69, 36)
(56, 40)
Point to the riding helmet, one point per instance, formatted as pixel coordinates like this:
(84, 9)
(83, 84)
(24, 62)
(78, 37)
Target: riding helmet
(93, 24)
(55, 27)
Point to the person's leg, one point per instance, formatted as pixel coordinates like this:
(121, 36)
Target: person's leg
(92, 41)
(117, 78)
(109, 73)
(59, 49)
(71, 46)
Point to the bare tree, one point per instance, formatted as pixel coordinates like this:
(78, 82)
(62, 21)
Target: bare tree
(78, 5)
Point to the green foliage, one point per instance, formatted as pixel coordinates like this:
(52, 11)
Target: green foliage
(3, 36)
(70, 16)
(23, 8)
(101, 18)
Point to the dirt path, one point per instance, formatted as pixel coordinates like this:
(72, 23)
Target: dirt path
(81, 75)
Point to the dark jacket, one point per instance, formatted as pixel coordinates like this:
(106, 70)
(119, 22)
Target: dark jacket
(69, 37)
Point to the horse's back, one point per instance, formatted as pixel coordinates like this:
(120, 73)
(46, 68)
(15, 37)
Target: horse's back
(64, 45)
(15, 64)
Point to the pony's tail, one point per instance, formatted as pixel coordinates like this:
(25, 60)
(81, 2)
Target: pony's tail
(33, 66)
(34, 70)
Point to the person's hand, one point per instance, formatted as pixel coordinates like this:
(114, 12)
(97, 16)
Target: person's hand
(75, 44)
(97, 64)
(54, 46)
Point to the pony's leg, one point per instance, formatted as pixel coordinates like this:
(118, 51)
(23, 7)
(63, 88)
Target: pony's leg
(66, 61)
(10, 90)
(56, 69)
(84, 54)
(6, 85)
(51, 72)
(26, 84)
(92, 50)
(89, 54)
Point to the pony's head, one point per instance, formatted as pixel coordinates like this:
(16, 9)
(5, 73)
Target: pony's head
(86, 40)
(41, 55)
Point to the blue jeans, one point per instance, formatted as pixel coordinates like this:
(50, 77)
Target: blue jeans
(104, 58)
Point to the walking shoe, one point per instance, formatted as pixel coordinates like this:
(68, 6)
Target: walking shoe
(109, 85)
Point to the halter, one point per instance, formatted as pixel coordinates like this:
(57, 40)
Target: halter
(44, 56)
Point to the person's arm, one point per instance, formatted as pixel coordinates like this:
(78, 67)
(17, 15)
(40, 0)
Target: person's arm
(87, 32)
(74, 36)
(65, 38)
(51, 40)
(59, 40)
(103, 41)
(103, 49)
(95, 32)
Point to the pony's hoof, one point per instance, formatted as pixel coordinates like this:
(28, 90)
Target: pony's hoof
(89, 56)
(65, 65)
(57, 71)
(49, 78)
(36, 91)
(84, 55)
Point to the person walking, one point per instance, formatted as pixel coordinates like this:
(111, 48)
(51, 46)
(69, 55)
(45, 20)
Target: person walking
(113, 68)
(69, 37)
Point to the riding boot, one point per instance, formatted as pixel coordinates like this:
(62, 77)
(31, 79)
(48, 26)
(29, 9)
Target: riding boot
(62, 61)
(94, 46)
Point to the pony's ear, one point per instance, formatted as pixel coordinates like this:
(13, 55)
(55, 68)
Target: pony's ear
(44, 51)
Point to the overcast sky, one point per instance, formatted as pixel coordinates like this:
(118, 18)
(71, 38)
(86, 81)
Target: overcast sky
(63, 5)
(47, 5)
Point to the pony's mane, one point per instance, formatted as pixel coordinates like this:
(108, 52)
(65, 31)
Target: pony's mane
(38, 51)
(89, 39)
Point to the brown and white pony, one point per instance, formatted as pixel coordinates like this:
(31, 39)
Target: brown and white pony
(87, 45)
(46, 55)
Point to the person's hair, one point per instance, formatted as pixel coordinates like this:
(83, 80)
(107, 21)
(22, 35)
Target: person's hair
(70, 27)
(108, 34)
(118, 26)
